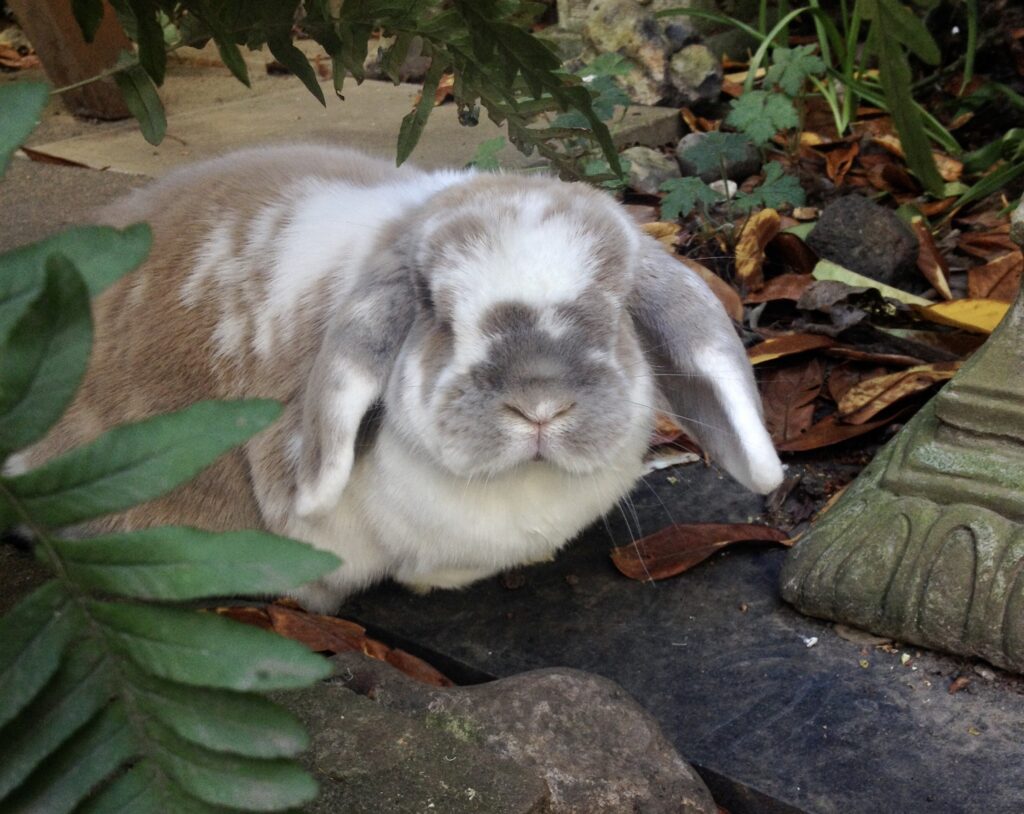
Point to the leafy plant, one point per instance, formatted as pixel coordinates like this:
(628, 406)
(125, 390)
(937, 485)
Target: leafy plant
(761, 114)
(115, 697)
(496, 62)
(685, 195)
(884, 32)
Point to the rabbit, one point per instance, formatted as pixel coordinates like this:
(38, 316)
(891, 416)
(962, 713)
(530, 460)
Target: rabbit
(469, 362)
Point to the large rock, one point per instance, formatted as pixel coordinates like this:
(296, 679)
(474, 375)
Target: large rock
(596, 749)
(866, 238)
(668, 65)
(649, 169)
(374, 760)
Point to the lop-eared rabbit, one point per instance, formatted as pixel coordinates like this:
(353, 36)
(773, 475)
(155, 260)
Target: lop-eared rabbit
(469, 362)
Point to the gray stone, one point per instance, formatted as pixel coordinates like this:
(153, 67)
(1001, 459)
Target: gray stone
(866, 238)
(649, 169)
(623, 27)
(596, 748)
(735, 170)
(375, 760)
(694, 75)
(927, 546)
(1017, 224)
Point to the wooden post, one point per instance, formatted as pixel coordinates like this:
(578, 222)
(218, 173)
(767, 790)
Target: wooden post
(67, 58)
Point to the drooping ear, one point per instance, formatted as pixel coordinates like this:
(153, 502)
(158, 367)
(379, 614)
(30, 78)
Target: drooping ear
(349, 375)
(691, 341)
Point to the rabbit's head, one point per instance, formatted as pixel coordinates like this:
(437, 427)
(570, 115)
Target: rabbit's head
(514, 321)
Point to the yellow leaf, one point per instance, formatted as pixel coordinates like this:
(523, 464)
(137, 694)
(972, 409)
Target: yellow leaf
(756, 234)
(979, 316)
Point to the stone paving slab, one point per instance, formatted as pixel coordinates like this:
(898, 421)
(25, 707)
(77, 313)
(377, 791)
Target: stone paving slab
(367, 119)
(772, 724)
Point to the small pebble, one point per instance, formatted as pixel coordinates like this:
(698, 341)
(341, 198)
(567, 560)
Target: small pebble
(986, 673)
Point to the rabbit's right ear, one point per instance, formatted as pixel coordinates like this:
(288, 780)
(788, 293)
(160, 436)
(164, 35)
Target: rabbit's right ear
(349, 375)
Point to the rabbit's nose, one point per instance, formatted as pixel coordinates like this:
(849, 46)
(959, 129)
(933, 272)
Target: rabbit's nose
(541, 412)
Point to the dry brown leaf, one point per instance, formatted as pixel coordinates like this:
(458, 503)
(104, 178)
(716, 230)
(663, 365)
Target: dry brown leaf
(332, 635)
(678, 548)
(839, 161)
(806, 212)
(869, 397)
(720, 288)
(793, 252)
(930, 261)
(445, 89)
(783, 287)
(788, 395)
(998, 279)
(830, 431)
(858, 355)
(756, 234)
(987, 245)
(846, 374)
(787, 345)
(949, 168)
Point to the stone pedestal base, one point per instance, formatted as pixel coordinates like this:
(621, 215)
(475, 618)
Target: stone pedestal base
(927, 546)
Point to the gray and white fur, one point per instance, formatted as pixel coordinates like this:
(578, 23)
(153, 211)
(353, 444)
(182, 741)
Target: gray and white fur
(469, 362)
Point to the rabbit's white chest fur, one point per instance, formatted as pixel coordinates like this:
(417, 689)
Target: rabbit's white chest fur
(442, 531)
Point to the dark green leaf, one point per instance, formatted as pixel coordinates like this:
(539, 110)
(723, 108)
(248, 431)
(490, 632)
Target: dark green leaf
(791, 66)
(208, 650)
(145, 789)
(150, 39)
(295, 61)
(22, 104)
(77, 692)
(137, 462)
(760, 115)
(232, 57)
(684, 194)
(33, 636)
(777, 190)
(88, 15)
(717, 149)
(231, 780)
(101, 254)
(222, 720)
(895, 78)
(143, 101)
(174, 563)
(96, 750)
(44, 357)
(395, 54)
(903, 26)
(413, 122)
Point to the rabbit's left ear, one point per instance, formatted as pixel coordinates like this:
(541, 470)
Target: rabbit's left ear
(349, 376)
(703, 367)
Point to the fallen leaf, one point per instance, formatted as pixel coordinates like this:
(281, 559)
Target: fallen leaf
(830, 431)
(930, 261)
(756, 234)
(987, 245)
(838, 161)
(445, 89)
(858, 355)
(998, 279)
(949, 168)
(664, 233)
(958, 683)
(858, 636)
(793, 253)
(826, 270)
(46, 158)
(846, 374)
(678, 548)
(786, 345)
(788, 395)
(980, 316)
(720, 288)
(329, 634)
(783, 287)
(869, 397)
(806, 212)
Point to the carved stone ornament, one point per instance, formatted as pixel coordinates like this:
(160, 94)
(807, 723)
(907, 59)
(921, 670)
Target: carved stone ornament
(927, 545)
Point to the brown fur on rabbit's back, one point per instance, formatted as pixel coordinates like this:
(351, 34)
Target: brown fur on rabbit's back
(152, 353)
